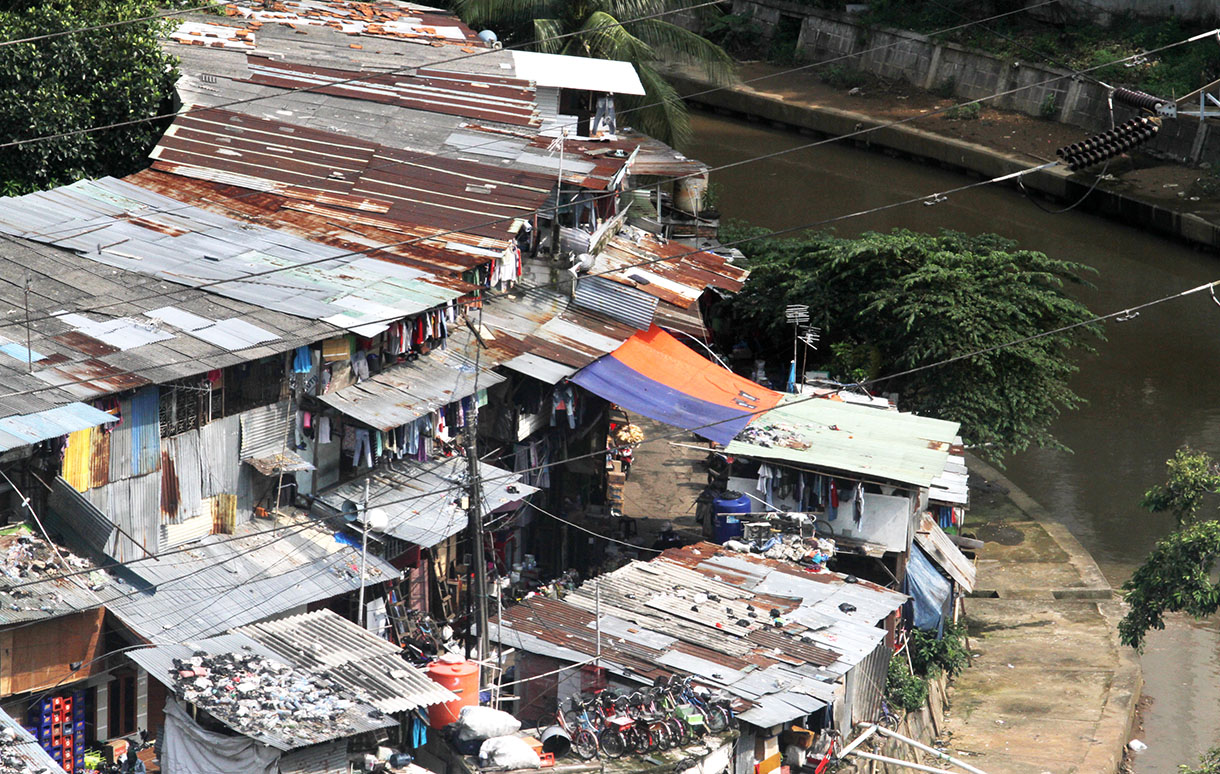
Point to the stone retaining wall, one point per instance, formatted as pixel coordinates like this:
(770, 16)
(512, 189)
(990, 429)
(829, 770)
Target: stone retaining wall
(968, 74)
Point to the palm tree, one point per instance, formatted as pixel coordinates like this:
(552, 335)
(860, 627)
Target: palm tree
(612, 29)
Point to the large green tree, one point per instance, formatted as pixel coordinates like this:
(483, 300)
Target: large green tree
(901, 302)
(1176, 577)
(60, 84)
(604, 29)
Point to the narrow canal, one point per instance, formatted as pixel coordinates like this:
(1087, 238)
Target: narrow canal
(1150, 387)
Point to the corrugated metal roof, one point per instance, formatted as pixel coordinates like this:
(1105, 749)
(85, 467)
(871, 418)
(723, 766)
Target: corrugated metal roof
(615, 300)
(670, 271)
(35, 760)
(26, 429)
(158, 661)
(325, 758)
(578, 72)
(482, 98)
(705, 610)
(26, 558)
(953, 486)
(231, 580)
(418, 23)
(833, 435)
(118, 224)
(539, 368)
(402, 393)
(940, 549)
(408, 186)
(420, 499)
(355, 658)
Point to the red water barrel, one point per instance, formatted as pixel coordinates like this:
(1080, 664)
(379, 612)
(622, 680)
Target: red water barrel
(461, 677)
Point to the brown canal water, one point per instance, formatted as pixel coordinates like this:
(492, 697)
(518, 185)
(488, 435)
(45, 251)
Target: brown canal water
(1152, 385)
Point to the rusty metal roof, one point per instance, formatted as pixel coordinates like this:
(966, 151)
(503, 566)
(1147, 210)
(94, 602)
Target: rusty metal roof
(406, 21)
(477, 97)
(670, 270)
(705, 611)
(339, 171)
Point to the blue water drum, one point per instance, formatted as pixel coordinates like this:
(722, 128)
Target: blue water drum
(727, 512)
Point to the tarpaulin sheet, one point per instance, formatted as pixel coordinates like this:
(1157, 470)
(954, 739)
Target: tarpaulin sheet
(929, 592)
(656, 375)
(188, 748)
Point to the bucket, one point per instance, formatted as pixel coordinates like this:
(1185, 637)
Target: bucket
(556, 741)
(459, 676)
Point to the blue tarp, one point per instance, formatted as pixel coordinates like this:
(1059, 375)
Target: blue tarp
(620, 384)
(930, 592)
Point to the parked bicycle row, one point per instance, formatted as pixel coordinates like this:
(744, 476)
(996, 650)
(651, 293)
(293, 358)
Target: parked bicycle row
(673, 713)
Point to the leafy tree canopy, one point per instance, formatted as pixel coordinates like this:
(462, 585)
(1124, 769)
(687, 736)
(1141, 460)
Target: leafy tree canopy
(893, 303)
(77, 81)
(1177, 576)
(592, 28)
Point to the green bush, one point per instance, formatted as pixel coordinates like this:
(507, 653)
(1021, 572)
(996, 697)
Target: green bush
(1209, 763)
(842, 77)
(968, 112)
(903, 689)
(931, 656)
(945, 88)
(1050, 107)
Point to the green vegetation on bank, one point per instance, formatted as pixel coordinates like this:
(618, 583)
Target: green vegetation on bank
(1059, 38)
(56, 86)
(897, 303)
(906, 682)
(1176, 577)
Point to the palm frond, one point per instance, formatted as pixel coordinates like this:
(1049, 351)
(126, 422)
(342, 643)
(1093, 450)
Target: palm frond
(547, 36)
(661, 112)
(670, 39)
(504, 14)
(602, 37)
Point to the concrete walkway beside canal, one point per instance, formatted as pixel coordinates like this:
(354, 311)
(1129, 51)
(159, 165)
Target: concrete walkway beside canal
(1050, 689)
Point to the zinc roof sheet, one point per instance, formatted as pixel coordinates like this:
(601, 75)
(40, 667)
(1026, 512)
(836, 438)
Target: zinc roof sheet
(357, 659)
(158, 661)
(231, 580)
(402, 393)
(35, 760)
(421, 499)
(24, 429)
(701, 610)
(833, 435)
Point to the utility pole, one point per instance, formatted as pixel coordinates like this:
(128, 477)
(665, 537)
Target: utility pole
(474, 508)
(364, 547)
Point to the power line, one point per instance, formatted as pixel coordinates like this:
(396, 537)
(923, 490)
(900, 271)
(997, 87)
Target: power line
(356, 79)
(597, 197)
(110, 25)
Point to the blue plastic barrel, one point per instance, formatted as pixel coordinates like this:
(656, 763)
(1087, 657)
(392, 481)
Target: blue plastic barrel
(726, 516)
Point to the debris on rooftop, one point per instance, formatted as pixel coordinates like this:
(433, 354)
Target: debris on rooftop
(254, 694)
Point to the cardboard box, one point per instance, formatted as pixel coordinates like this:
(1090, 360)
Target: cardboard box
(114, 749)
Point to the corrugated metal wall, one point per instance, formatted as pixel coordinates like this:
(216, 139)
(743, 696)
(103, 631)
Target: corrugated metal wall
(181, 478)
(68, 509)
(145, 429)
(219, 455)
(134, 504)
(866, 684)
(265, 430)
(77, 469)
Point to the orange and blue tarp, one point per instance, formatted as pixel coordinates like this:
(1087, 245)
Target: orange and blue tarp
(656, 375)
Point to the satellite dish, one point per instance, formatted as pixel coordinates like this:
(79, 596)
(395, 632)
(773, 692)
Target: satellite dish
(350, 510)
(488, 37)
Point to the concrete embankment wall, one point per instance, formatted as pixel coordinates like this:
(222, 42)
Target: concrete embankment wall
(905, 140)
(1028, 87)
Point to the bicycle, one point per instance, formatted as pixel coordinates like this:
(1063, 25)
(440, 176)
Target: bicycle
(578, 726)
(829, 762)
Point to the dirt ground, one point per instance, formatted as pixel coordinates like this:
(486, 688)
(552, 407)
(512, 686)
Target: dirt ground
(1192, 189)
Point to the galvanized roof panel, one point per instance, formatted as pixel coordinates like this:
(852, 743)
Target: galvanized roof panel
(402, 393)
(231, 580)
(25, 747)
(615, 300)
(420, 499)
(158, 661)
(355, 658)
(21, 430)
(837, 436)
